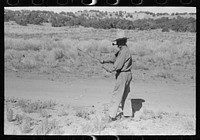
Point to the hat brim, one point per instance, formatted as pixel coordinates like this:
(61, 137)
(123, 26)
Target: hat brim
(121, 38)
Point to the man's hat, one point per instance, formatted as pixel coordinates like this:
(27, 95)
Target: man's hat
(121, 36)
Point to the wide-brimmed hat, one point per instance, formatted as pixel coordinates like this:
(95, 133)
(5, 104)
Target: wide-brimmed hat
(120, 36)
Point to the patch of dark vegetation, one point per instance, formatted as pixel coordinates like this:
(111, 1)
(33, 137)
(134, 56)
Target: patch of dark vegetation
(29, 106)
(103, 20)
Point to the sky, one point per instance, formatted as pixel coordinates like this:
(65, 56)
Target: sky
(111, 9)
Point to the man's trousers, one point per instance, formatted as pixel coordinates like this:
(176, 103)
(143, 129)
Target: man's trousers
(119, 95)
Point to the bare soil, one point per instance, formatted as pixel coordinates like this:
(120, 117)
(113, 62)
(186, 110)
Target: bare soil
(161, 107)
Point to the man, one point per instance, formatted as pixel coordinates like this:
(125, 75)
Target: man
(122, 66)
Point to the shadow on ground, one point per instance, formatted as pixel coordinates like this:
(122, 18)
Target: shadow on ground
(136, 105)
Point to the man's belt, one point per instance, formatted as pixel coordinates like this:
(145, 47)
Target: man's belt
(118, 71)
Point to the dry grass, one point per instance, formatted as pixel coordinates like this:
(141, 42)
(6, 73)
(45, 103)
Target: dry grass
(80, 120)
(23, 44)
(64, 112)
(26, 126)
(9, 115)
(19, 118)
(189, 125)
(95, 126)
(26, 122)
(44, 47)
(47, 127)
(30, 107)
(150, 114)
(82, 113)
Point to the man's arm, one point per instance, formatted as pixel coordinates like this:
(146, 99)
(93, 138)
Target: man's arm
(118, 64)
(120, 60)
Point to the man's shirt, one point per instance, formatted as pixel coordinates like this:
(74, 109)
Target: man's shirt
(122, 60)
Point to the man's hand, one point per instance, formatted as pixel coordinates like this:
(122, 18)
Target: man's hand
(109, 70)
(101, 61)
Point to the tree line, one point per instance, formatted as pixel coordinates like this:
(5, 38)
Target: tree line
(24, 17)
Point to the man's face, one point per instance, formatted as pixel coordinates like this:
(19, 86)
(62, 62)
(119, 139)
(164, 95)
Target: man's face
(119, 43)
(119, 46)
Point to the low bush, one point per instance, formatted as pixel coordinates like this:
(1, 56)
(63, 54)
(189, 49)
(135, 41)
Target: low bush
(148, 114)
(82, 113)
(9, 114)
(37, 106)
(19, 119)
(164, 74)
(189, 125)
(23, 44)
(11, 54)
(29, 62)
(46, 127)
(26, 126)
(95, 126)
(162, 57)
(57, 53)
(11, 100)
(165, 29)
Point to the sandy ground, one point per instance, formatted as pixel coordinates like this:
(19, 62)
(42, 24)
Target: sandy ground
(177, 98)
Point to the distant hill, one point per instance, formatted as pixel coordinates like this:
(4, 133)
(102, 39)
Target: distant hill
(142, 20)
(129, 16)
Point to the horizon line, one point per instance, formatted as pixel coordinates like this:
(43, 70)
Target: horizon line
(159, 9)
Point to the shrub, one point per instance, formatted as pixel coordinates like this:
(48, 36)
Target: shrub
(9, 115)
(57, 53)
(105, 46)
(63, 113)
(22, 44)
(68, 44)
(95, 126)
(50, 61)
(189, 125)
(19, 119)
(21, 21)
(72, 55)
(161, 114)
(82, 113)
(37, 106)
(46, 127)
(140, 48)
(69, 47)
(162, 56)
(147, 114)
(164, 74)
(49, 58)
(29, 62)
(165, 29)
(87, 45)
(41, 55)
(185, 49)
(11, 54)
(45, 113)
(25, 127)
(11, 100)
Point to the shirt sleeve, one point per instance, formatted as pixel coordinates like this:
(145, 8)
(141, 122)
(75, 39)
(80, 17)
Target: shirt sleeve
(120, 60)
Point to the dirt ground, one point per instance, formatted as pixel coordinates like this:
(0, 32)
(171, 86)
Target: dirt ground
(176, 102)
